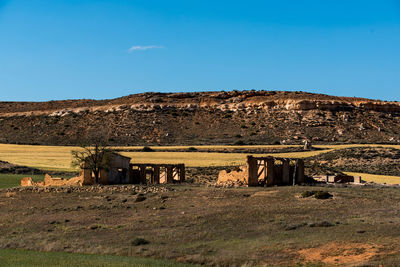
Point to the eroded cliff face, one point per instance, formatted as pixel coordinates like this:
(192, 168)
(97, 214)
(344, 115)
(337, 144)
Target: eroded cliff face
(251, 117)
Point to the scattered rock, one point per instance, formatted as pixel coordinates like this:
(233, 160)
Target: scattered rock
(110, 189)
(10, 194)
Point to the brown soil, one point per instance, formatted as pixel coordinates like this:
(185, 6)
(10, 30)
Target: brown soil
(336, 253)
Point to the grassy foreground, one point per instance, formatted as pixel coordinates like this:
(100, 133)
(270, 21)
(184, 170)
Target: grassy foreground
(20, 258)
(210, 226)
(13, 180)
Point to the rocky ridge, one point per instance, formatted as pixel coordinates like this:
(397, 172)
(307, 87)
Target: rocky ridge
(250, 117)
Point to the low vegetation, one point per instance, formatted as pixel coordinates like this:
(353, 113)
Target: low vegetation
(212, 226)
(28, 258)
(13, 180)
(317, 194)
(373, 160)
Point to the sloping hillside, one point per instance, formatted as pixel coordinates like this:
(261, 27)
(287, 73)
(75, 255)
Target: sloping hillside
(250, 117)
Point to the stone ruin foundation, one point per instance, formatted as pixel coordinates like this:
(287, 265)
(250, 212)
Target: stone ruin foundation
(50, 181)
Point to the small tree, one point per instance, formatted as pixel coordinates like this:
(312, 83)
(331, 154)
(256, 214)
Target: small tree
(95, 157)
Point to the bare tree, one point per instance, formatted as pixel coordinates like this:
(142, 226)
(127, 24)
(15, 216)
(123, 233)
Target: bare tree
(95, 157)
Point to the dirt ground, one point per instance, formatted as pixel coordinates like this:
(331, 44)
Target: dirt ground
(208, 225)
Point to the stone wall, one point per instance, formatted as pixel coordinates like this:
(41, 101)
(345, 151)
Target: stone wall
(50, 181)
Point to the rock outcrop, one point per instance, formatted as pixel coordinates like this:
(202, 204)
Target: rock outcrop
(251, 117)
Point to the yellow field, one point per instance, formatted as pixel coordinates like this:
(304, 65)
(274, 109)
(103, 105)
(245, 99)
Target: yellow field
(355, 145)
(42, 157)
(59, 157)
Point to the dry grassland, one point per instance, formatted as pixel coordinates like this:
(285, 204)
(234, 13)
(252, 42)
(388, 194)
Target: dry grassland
(58, 158)
(209, 226)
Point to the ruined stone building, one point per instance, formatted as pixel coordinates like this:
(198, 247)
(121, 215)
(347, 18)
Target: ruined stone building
(157, 173)
(119, 171)
(267, 171)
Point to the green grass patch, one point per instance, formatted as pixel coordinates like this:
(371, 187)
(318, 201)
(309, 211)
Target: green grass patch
(13, 180)
(16, 257)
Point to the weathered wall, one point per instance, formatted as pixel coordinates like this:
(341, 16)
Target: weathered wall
(240, 174)
(50, 181)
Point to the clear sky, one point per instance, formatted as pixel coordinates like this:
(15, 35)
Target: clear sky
(54, 49)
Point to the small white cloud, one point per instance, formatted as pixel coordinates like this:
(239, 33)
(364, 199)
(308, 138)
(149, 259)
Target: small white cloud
(146, 47)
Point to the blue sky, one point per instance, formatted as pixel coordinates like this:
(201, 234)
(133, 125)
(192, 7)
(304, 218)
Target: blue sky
(54, 49)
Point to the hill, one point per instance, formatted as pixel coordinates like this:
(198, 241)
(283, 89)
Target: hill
(235, 117)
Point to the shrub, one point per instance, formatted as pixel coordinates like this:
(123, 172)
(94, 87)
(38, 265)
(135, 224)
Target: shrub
(308, 193)
(294, 226)
(147, 149)
(243, 126)
(239, 143)
(238, 136)
(321, 224)
(192, 148)
(322, 195)
(139, 241)
(316, 194)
